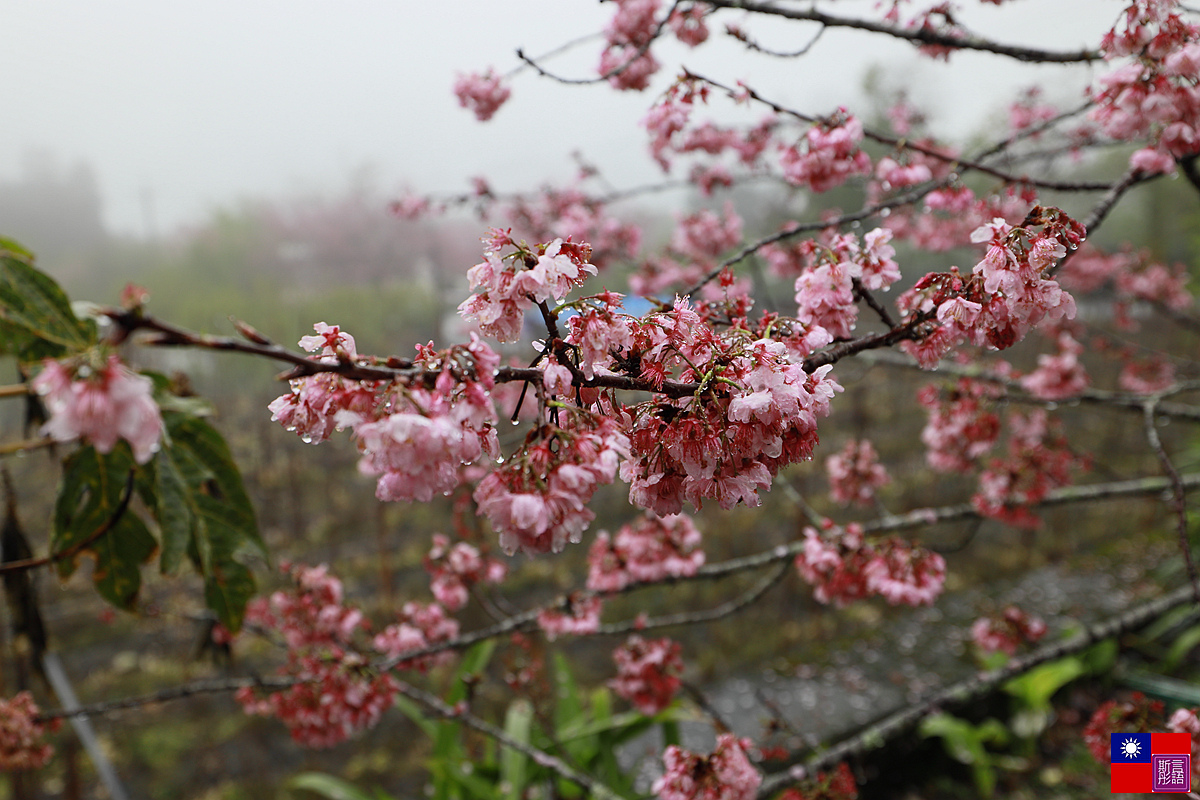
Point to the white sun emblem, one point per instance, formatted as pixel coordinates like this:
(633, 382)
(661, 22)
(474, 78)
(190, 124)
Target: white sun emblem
(1130, 748)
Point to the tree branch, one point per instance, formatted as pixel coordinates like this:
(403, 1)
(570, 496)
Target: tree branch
(918, 37)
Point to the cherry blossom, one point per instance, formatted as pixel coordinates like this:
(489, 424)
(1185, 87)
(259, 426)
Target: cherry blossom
(1133, 715)
(1058, 376)
(687, 23)
(1007, 631)
(420, 626)
(855, 473)
(580, 617)
(836, 785)
(729, 445)
(649, 550)
(537, 501)
(647, 673)
(830, 156)
(1039, 459)
(482, 93)
(843, 566)
(100, 406)
(961, 427)
(506, 291)
(21, 744)
(335, 692)
(453, 569)
(724, 774)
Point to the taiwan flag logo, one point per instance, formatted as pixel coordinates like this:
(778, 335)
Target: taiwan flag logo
(1151, 762)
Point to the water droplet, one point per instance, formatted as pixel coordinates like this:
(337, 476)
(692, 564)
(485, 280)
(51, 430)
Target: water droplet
(887, 212)
(516, 422)
(307, 438)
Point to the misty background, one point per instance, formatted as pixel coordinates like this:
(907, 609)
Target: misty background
(165, 113)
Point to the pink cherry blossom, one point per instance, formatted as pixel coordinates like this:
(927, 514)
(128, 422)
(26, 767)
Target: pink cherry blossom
(21, 735)
(481, 93)
(1039, 459)
(843, 566)
(724, 774)
(648, 673)
(1006, 632)
(962, 426)
(102, 407)
(580, 617)
(855, 473)
(830, 156)
(651, 549)
(1058, 376)
(453, 569)
(537, 501)
(334, 694)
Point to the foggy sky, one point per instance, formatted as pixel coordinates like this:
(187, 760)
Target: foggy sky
(183, 107)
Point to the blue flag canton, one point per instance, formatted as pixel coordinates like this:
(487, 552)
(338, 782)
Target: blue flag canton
(1130, 748)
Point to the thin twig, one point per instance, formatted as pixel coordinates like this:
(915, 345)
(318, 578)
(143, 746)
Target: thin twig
(1178, 491)
(919, 36)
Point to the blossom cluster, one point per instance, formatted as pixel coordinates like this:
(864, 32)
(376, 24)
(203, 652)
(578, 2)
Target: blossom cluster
(21, 744)
(961, 426)
(724, 774)
(415, 438)
(855, 473)
(537, 500)
(831, 154)
(648, 673)
(579, 617)
(626, 59)
(756, 411)
(843, 566)
(1007, 294)
(100, 406)
(336, 692)
(505, 291)
(826, 289)
(1005, 632)
(420, 626)
(453, 569)
(836, 785)
(1136, 714)
(1155, 94)
(482, 93)
(649, 550)
(1038, 460)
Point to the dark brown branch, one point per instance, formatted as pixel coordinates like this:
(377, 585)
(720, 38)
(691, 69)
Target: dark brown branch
(918, 37)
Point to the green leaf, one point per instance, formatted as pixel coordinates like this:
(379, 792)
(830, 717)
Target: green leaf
(91, 492)
(1035, 688)
(518, 724)
(1183, 644)
(329, 787)
(30, 300)
(195, 493)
